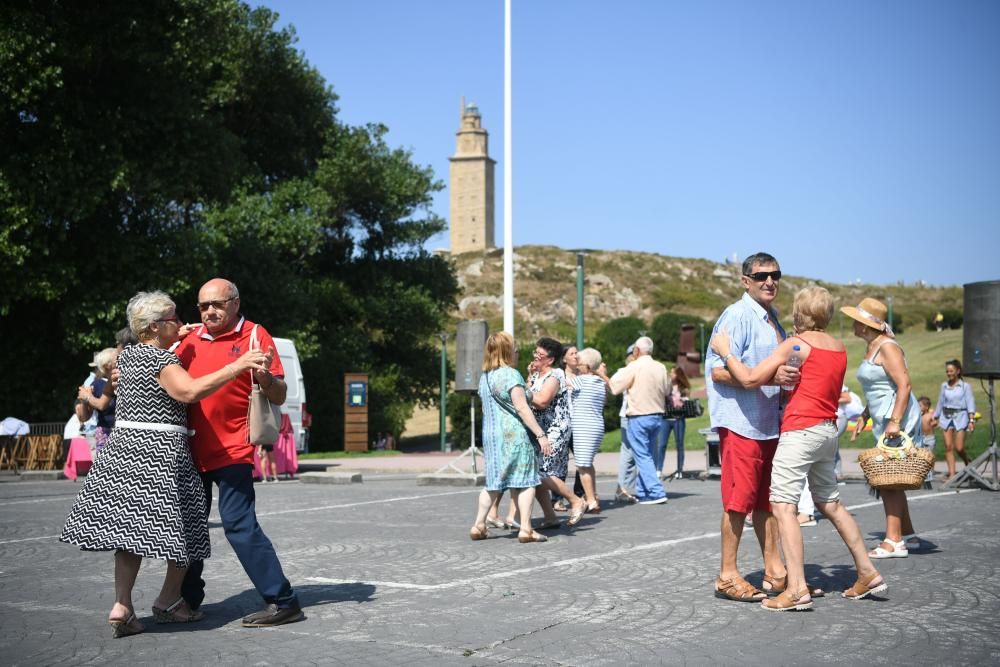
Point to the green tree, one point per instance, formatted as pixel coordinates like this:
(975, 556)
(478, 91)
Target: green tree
(157, 145)
(666, 331)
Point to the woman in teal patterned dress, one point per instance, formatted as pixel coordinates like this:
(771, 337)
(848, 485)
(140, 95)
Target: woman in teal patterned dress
(511, 438)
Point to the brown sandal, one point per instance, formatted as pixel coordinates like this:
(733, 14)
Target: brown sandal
(532, 537)
(777, 585)
(738, 589)
(865, 586)
(478, 533)
(788, 602)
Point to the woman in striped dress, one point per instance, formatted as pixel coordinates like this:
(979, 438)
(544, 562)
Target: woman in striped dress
(587, 414)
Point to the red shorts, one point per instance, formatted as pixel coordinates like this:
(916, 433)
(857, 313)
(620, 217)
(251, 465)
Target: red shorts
(746, 472)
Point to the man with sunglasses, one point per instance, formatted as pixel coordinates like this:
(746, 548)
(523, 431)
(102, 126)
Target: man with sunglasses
(222, 452)
(747, 421)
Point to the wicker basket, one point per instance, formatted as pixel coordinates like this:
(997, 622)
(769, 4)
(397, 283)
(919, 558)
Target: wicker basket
(902, 468)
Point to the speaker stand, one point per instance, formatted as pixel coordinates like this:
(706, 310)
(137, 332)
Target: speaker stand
(472, 450)
(988, 477)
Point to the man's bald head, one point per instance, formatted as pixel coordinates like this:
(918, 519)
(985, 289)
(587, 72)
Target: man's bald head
(219, 304)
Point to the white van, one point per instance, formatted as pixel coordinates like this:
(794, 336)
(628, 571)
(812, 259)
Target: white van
(295, 403)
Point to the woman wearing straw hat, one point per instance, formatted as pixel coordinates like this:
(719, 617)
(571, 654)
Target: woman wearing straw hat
(892, 407)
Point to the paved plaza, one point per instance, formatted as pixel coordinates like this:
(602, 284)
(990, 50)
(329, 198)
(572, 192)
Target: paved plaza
(387, 575)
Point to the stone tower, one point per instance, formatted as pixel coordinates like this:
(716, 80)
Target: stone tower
(471, 185)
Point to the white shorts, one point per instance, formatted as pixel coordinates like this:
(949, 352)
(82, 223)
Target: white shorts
(806, 453)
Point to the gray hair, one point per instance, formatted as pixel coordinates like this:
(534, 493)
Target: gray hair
(644, 345)
(104, 361)
(145, 308)
(590, 357)
(761, 258)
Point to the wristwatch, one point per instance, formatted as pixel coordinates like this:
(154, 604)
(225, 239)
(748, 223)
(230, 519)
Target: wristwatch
(725, 361)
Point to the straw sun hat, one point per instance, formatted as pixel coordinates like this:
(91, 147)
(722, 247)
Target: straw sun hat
(870, 312)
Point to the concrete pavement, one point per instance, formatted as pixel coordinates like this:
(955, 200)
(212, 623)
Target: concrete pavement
(387, 575)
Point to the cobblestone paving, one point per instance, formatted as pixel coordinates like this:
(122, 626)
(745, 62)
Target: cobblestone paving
(387, 575)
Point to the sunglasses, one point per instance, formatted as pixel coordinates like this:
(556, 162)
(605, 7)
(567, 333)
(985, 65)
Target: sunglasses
(173, 319)
(218, 305)
(761, 276)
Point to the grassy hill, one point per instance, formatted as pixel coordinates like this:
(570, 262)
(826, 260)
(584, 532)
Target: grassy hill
(620, 283)
(625, 283)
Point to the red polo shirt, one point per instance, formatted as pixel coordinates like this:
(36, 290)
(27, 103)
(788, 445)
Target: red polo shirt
(220, 420)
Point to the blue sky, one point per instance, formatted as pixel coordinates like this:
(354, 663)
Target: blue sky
(857, 139)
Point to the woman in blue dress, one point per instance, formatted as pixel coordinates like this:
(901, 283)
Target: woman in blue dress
(955, 407)
(893, 410)
(512, 438)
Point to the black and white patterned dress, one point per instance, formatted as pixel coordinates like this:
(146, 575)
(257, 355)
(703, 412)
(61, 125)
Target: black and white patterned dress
(143, 494)
(555, 421)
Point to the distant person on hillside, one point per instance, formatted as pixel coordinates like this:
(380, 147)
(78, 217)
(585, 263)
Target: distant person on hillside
(955, 407)
(939, 322)
(747, 423)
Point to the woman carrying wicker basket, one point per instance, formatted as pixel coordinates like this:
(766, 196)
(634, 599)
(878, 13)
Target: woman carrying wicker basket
(807, 447)
(893, 410)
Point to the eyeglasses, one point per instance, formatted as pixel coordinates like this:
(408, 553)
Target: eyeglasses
(761, 276)
(218, 305)
(173, 319)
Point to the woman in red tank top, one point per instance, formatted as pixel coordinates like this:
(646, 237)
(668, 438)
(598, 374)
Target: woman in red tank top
(807, 446)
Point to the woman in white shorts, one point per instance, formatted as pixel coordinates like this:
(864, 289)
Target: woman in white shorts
(807, 446)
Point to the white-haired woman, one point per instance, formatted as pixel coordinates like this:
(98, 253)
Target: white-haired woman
(143, 497)
(99, 397)
(587, 415)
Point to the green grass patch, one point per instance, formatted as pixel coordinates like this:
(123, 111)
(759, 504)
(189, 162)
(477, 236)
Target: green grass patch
(349, 455)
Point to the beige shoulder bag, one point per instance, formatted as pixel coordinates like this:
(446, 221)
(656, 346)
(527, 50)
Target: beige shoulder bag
(263, 416)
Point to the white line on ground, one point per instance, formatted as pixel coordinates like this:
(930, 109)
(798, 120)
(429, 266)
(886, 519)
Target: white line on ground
(582, 559)
(654, 545)
(35, 500)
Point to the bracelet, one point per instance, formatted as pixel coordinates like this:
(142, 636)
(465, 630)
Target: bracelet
(895, 420)
(232, 372)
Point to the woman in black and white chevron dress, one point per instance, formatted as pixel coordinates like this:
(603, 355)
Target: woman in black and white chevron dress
(143, 497)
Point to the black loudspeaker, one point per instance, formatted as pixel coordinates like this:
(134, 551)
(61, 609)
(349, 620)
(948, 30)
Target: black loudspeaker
(981, 330)
(470, 342)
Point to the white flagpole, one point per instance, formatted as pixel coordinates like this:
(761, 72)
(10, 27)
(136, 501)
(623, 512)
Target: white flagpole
(508, 199)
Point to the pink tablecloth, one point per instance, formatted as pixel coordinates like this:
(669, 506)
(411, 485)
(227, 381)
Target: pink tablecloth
(78, 459)
(285, 456)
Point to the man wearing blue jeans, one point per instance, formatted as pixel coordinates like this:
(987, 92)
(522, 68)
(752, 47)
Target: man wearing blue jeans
(626, 460)
(224, 456)
(648, 385)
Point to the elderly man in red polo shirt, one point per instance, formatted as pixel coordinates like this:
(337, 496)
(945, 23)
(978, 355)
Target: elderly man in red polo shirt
(222, 453)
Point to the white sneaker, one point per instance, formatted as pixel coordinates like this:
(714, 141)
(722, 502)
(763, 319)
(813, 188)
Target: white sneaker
(654, 501)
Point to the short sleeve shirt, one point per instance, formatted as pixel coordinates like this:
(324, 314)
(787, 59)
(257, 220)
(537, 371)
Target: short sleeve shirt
(751, 413)
(220, 420)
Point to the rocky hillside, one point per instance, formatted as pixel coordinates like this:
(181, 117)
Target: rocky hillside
(620, 283)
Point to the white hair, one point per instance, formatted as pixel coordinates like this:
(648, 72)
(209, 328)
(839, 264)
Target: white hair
(589, 357)
(644, 345)
(145, 308)
(104, 361)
